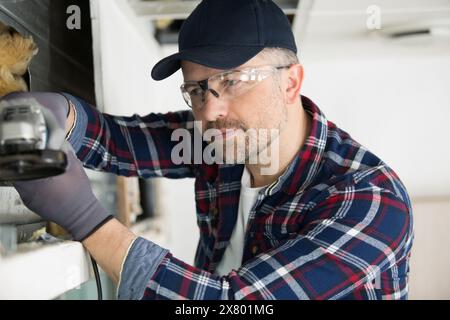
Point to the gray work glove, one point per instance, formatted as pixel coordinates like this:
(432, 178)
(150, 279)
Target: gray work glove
(66, 199)
(55, 102)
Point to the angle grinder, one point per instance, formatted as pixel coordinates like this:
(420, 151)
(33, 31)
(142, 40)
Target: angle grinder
(31, 142)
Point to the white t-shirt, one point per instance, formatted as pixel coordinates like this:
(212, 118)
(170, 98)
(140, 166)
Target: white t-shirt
(232, 258)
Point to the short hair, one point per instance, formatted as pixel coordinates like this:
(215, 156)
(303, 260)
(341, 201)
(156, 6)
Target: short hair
(279, 56)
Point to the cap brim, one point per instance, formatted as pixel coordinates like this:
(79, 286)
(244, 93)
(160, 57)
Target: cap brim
(217, 57)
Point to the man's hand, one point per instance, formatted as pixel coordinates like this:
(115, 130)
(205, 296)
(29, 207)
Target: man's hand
(66, 199)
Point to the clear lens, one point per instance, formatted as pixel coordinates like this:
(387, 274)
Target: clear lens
(235, 83)
(186, 97)
(227, 85)
(192, 93)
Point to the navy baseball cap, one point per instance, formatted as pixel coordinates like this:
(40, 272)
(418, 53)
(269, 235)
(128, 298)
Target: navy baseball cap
(224, 34)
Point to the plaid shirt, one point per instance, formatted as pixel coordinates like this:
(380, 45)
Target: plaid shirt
(336, 225)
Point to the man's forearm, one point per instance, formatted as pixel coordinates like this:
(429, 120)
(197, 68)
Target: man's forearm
(109, 246)
(70, 119)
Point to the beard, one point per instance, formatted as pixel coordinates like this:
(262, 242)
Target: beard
(244, 143)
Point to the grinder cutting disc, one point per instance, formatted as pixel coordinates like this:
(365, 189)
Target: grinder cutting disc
(36, 164)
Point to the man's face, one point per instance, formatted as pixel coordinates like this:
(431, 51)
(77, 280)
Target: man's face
(249, 117)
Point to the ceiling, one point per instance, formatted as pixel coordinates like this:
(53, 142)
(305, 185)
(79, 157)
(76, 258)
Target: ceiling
(176, 9)
(319, 20)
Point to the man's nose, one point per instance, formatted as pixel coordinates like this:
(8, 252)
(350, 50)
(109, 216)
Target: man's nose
(214, 108)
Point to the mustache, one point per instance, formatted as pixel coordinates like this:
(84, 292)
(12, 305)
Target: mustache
(226, 124)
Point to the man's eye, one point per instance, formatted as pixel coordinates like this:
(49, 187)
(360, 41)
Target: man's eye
(195, 91)
(231, 83)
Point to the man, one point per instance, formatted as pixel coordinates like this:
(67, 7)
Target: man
(329, 220)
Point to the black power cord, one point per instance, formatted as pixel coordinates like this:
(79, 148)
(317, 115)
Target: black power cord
(97, 279)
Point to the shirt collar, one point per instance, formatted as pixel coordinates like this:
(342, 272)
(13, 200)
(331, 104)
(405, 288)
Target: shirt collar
(305, 166)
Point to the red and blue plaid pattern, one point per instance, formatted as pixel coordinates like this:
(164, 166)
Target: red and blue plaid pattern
(336, 225)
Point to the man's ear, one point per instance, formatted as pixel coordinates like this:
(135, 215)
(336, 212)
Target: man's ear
(294, 83)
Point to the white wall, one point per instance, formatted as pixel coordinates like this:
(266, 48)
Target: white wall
(392, 95)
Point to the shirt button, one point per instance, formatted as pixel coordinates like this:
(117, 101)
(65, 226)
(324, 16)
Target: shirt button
(254, 249)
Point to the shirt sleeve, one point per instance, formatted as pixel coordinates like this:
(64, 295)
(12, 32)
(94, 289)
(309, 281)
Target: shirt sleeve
(351, 237)
(140, 264)
(130, 146)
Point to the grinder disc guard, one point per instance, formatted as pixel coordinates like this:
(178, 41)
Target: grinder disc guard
(30, 165)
